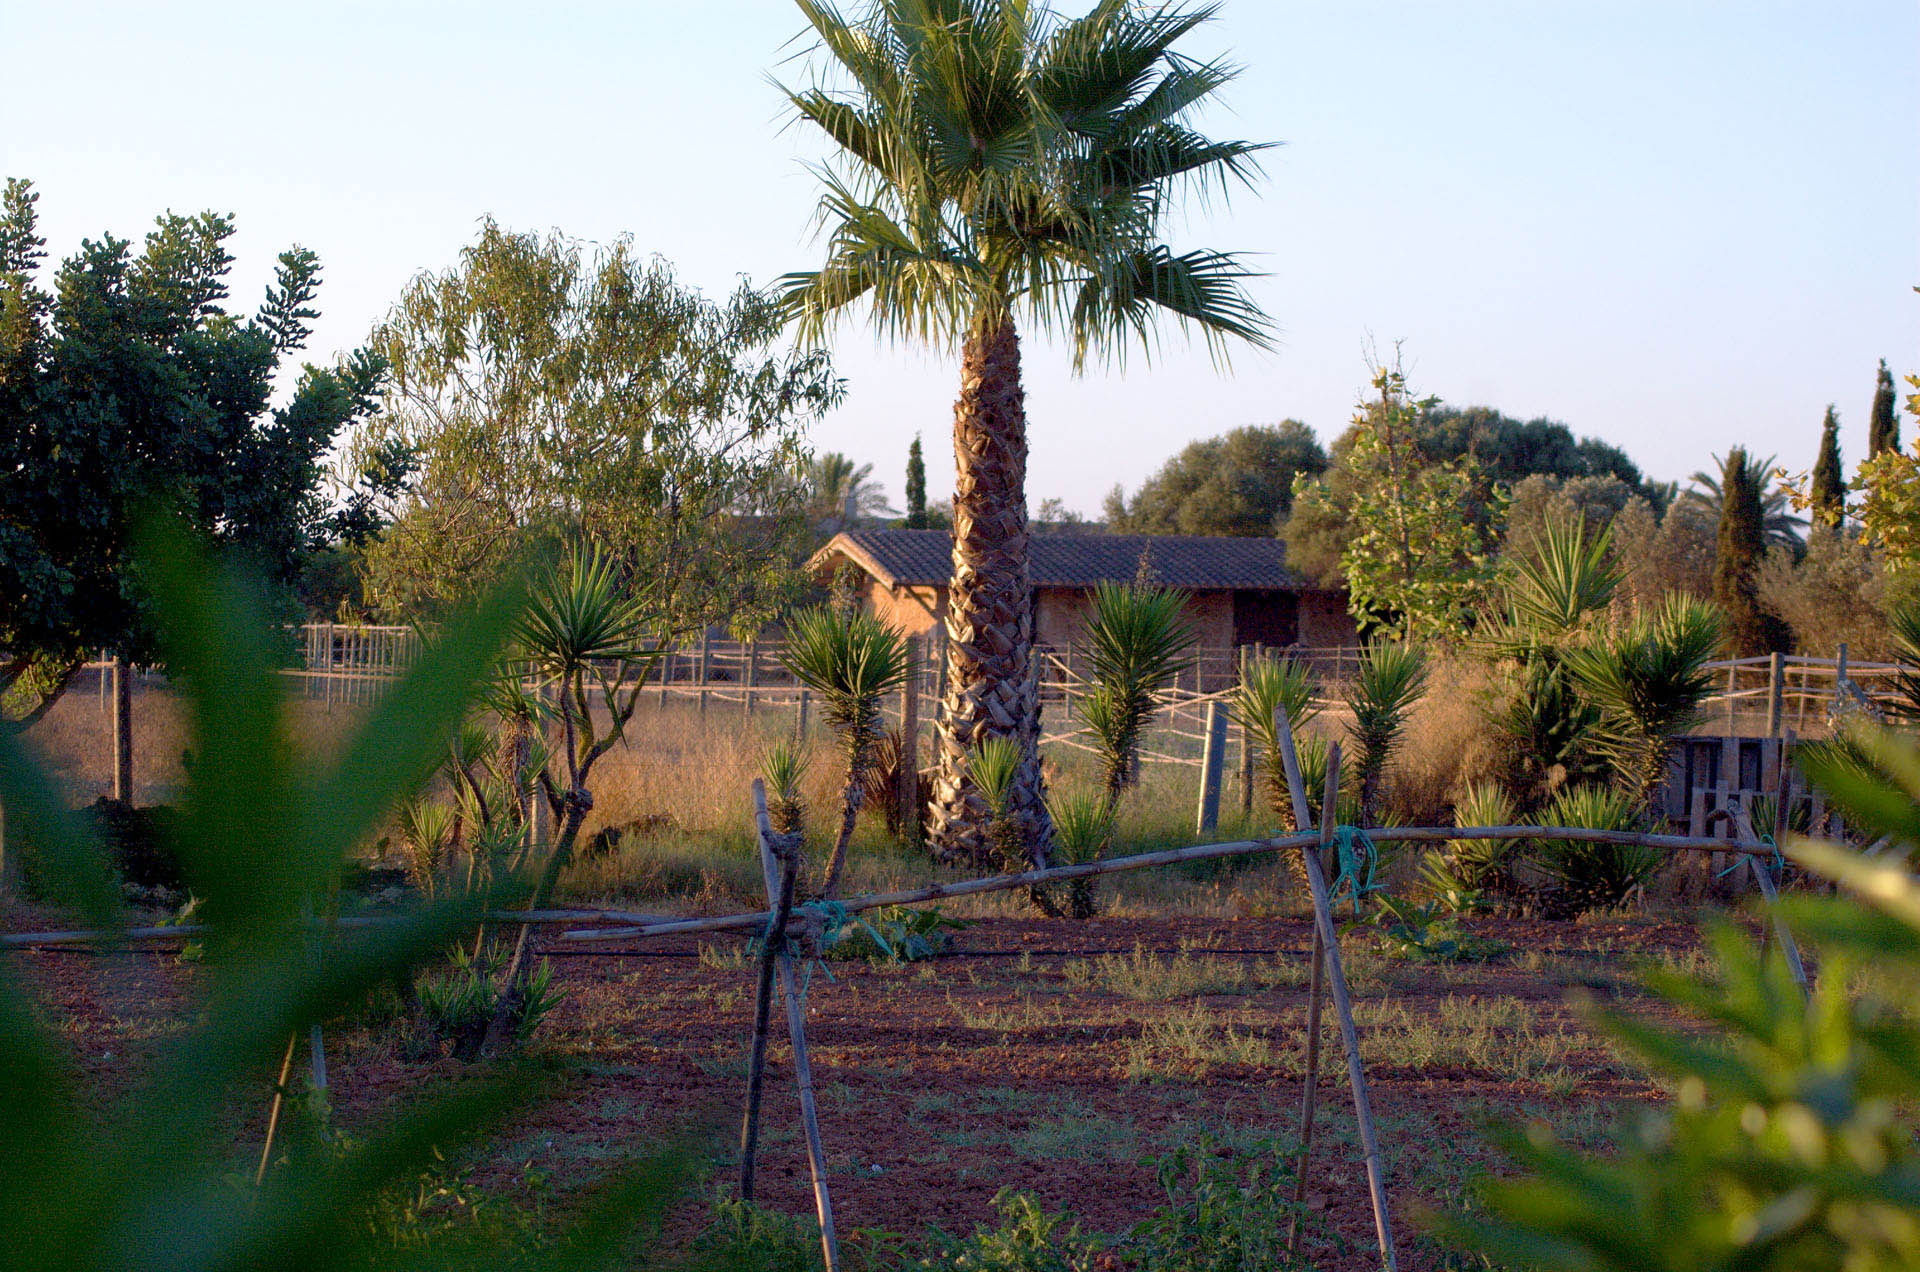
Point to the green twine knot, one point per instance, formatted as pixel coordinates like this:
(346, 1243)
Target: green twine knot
(1358, 859)
(1776, 868)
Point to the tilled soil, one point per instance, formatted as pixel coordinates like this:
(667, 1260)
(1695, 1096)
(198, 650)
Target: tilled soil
(1010, 1064)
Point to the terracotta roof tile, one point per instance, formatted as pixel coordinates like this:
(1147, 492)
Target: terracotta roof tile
(1193, 562)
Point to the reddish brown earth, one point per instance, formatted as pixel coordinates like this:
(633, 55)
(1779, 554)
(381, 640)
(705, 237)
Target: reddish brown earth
(942, 1083)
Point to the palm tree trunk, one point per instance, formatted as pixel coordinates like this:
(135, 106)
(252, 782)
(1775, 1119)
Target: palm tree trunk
(991, 690)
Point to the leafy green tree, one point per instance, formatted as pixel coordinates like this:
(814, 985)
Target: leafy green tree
(1240, 483)
(1412, 562)
(1829, 485)
(1883, 425)
(1750, 627)
(917, 518)
(555, 394)
(995, 162)
(129, 382)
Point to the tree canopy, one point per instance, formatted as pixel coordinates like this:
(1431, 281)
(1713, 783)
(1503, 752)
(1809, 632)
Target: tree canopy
(129, 387)
(1240, 483)
(554, 393)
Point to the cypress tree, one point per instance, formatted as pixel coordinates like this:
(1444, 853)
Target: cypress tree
(1750, 628)
(1829, 490)
(916, 488)
(1883, 426)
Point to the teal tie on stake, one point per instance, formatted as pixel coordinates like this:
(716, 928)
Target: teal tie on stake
(1777, 867)
(1357, 859)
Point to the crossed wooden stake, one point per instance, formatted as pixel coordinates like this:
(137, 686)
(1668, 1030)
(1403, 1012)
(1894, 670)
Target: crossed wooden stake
(779, 862)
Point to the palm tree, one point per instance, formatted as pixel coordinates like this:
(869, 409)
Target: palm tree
(997, 160)
(839, 491)
(850, 660)
(1649, 679)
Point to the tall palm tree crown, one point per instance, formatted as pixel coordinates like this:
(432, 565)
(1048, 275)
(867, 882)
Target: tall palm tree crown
(996, 162)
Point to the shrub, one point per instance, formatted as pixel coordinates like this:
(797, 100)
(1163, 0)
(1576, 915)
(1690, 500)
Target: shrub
(1390, 680)
(1468, 873)
(1649, 680)
(1266, 685)
(1790, 1143)
(1224, 1211)
(1029, 1239)
(456, 1004)
(1589, 876)
(785, 772)
(1082, 832)
(1137, 642)
(898, 934)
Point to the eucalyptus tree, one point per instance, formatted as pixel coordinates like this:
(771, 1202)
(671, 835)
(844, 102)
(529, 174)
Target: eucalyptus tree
(998, 164)
(553, 394)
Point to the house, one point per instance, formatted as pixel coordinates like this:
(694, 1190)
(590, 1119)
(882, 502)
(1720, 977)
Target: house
(1241, 590)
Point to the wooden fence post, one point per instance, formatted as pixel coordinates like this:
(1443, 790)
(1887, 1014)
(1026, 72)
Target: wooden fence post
(800, 728)
(706, 665)
(753, 678)
(123, 730)
(1212, 761)
(909, 791)
(1776, 687)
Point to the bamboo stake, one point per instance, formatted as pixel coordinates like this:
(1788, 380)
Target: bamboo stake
(782, 890)
(1780, 929)
(1316, 989)
(1343, 1009)
(273, 1110)
(797, 1035)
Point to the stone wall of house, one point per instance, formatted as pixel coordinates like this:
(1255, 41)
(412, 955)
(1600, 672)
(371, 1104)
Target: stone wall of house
(1325, 622)
(911, 611)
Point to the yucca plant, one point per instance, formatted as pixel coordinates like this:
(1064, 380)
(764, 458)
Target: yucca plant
(428, 833)
(1391, 678)
(1083, 831)
(1468, 873)
(583, 633)
(993, 766)
(1551, 591)
(783, 770)
(1266, 686)
(1138, 640)
(1589, 876)
(1649, 680)
(141, 1175)
(849, 660)
(1790, 1142)
(886, 771)
(1903, 625)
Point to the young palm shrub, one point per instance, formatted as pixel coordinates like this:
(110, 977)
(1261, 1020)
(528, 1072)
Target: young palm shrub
(1390, 680)
(783, 770)
(428, 833)
(1589, 876)
(1267, 685)
(850, 661)
(1468, 873)
(1649, 680)
(993, 766)
(1903, 624)
(1083, 831)
(1138, 640)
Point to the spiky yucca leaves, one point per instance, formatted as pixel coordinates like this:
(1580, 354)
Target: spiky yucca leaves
(1551, 591)
(1083, 831)
(783, 770)
(886, 770)
(998, 162)
(1791, 1141)
(1468, 873)
(428, 831)
(1138, 640)
(1390, 680)
(147, 1178)
(1903, 623)
(1267, 685)
(1589, 876)
(849, 660)
(1649, 679)
(994, 766)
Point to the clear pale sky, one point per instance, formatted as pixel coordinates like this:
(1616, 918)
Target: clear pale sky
(1678, 226)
